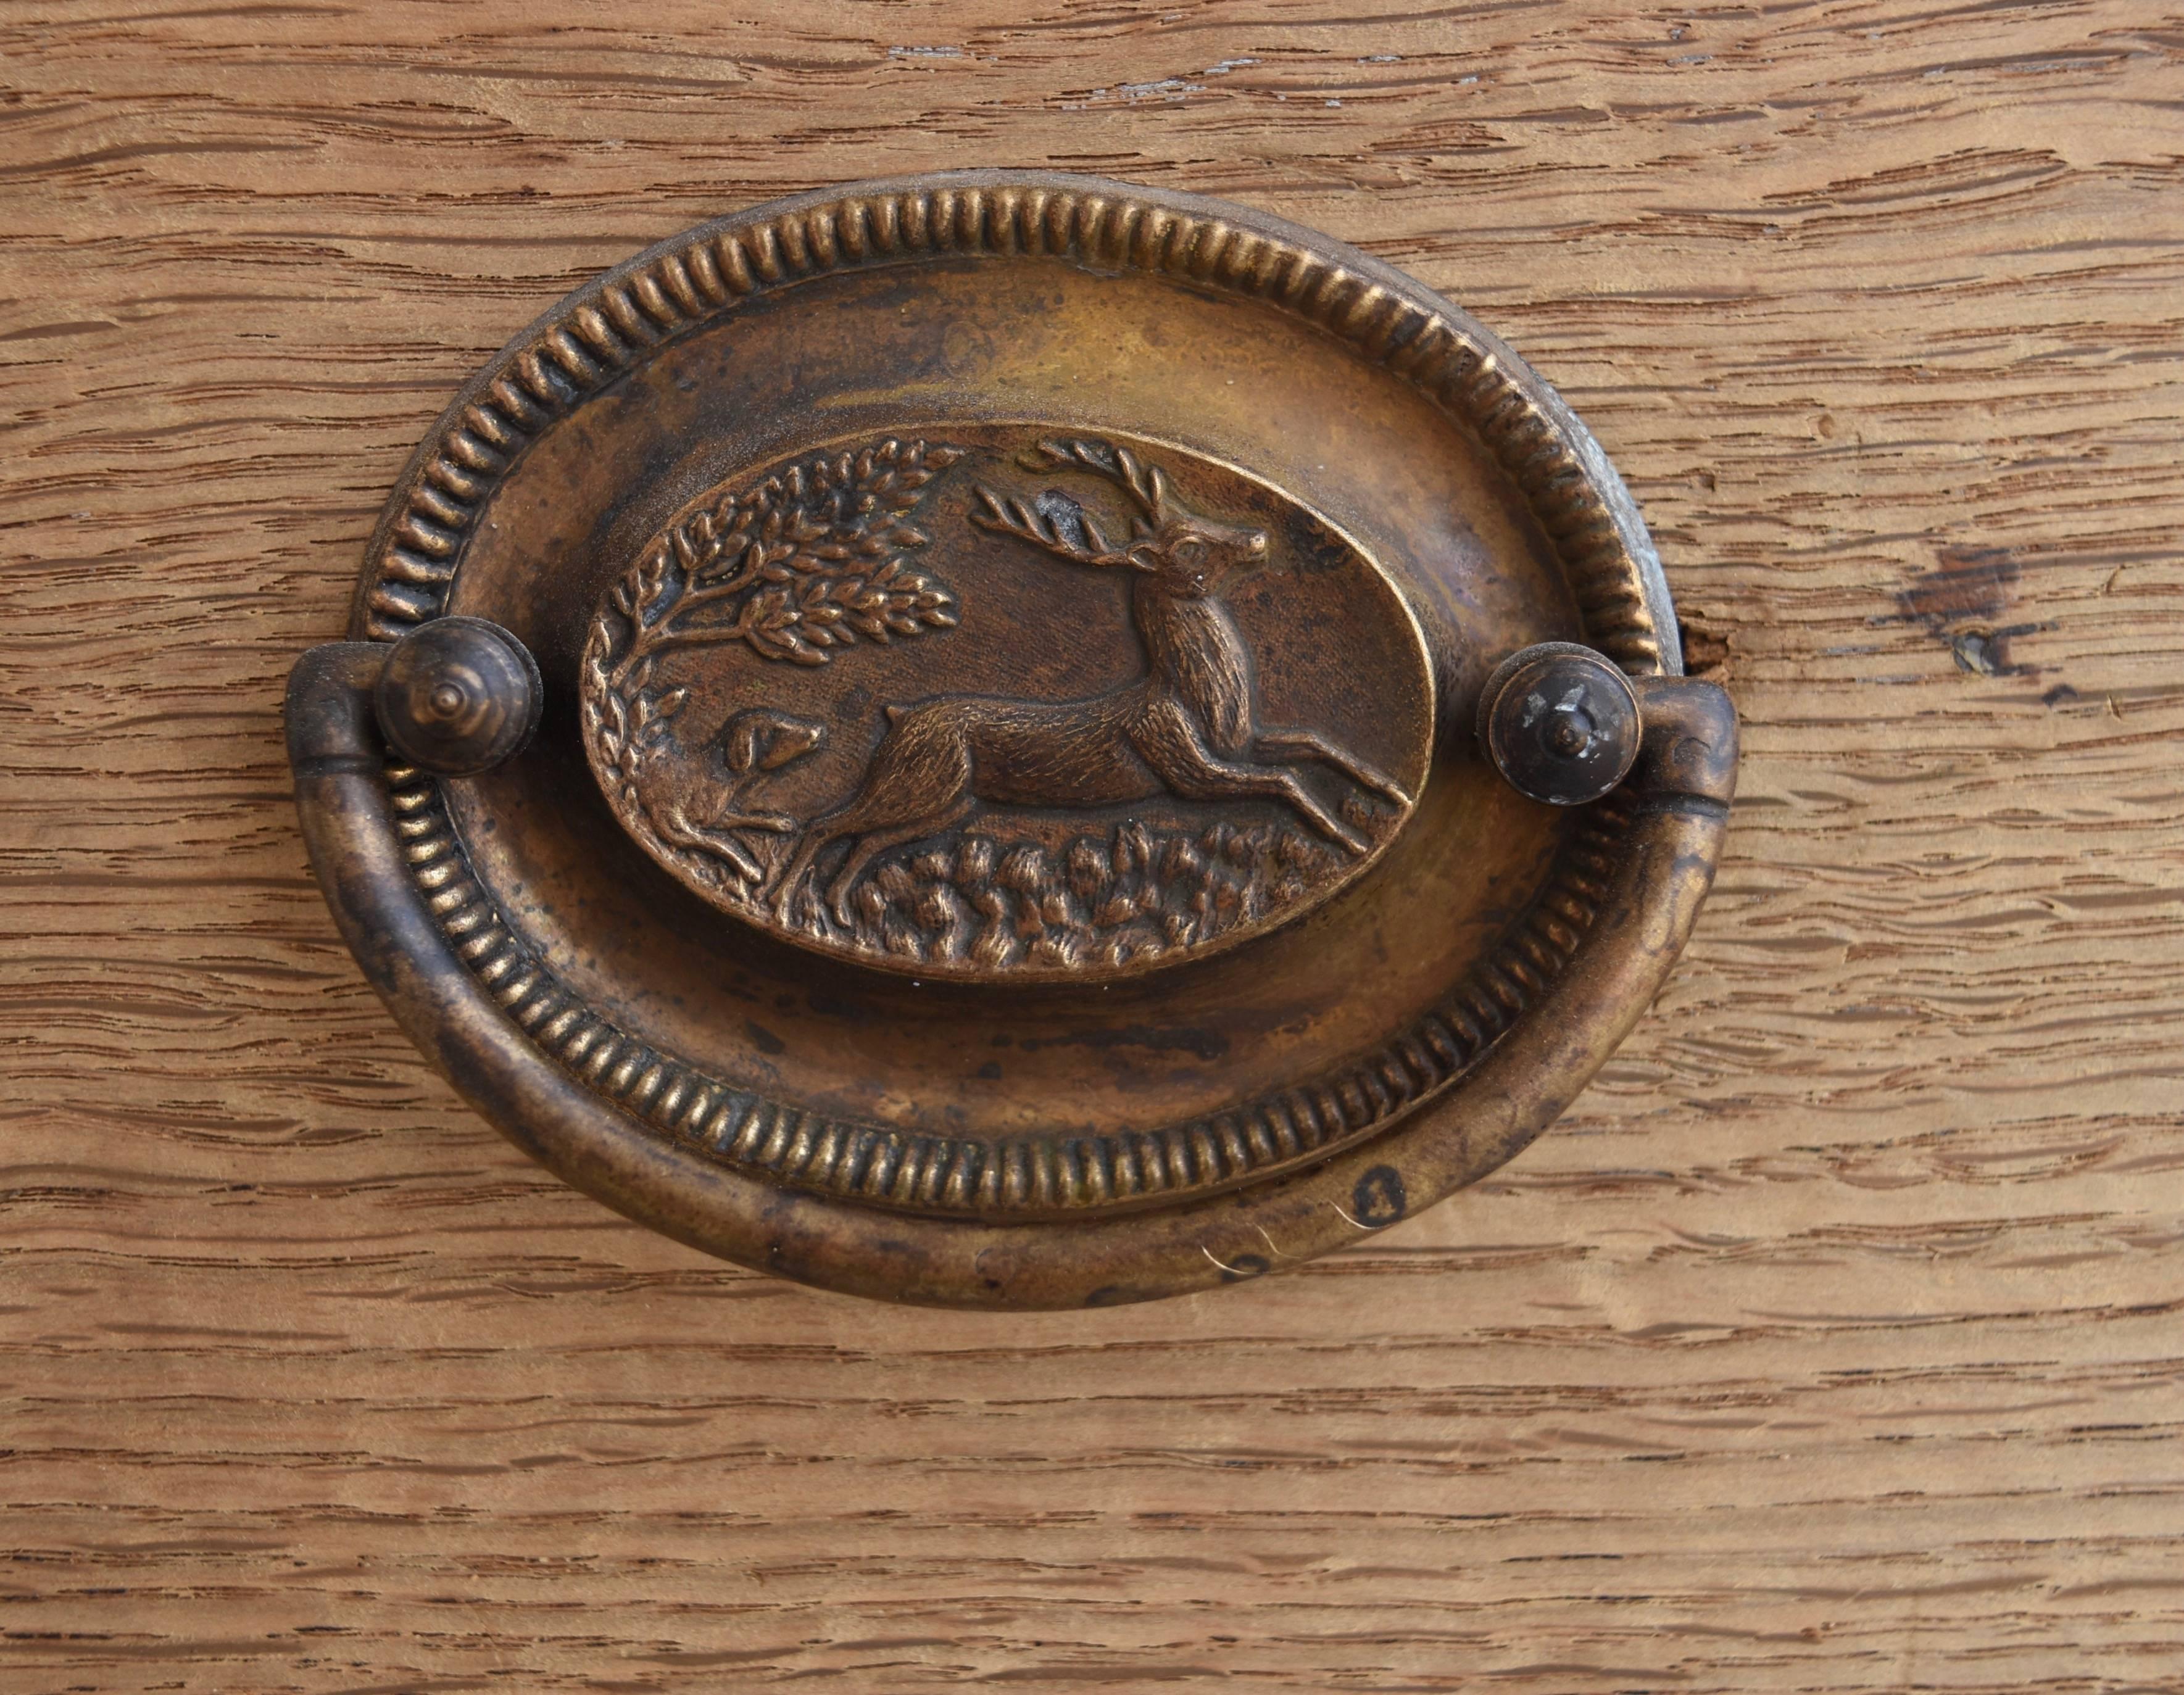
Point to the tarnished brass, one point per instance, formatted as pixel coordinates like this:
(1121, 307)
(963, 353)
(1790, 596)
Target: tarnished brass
(1560, 723)
(1003, 775)
(1094, 743)
(458, 696)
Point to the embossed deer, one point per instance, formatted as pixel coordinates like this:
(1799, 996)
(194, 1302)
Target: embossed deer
(1185, 727)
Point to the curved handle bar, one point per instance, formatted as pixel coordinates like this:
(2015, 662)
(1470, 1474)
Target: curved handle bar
(1683, 779)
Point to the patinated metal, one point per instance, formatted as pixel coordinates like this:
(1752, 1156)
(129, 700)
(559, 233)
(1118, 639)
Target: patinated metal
(458, 696)
(1559, 723)
(1094, 743)
(1075, 783)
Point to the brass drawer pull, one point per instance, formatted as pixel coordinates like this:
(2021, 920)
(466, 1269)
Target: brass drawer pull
(1088, 744)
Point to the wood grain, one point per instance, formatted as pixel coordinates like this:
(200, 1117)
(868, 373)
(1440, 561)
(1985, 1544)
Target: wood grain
(1832, 1342)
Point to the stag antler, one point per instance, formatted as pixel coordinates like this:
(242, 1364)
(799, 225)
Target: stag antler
(1146, 485)
(1012, 517)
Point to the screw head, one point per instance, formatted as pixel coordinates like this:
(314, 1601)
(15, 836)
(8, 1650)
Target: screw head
(1560, 722)
(458, 696)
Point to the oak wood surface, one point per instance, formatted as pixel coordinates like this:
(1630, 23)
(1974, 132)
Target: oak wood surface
(1832, 1342)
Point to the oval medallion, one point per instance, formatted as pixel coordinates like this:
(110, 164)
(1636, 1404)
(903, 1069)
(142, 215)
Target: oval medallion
(995, 700)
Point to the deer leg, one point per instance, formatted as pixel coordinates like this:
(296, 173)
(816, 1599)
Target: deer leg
(878, 841)
(791, 879)
(918, 780)
(1176, 748)
(1310, 744)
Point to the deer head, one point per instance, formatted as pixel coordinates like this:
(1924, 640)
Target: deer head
(1190, 553)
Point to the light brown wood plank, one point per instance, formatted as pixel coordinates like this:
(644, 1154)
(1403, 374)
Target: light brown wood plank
(1831, 1343)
